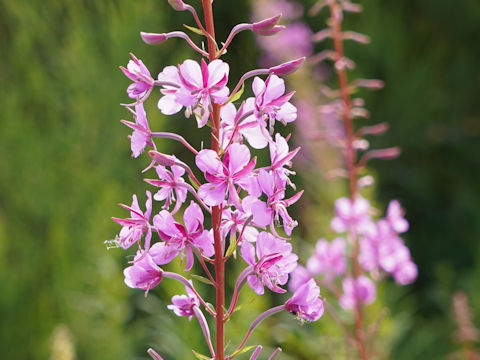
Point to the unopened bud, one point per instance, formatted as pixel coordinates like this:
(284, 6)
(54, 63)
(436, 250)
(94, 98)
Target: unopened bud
(266, 24)
(361, 144)
(288, 67)
(373, 130)
(152, 38)
(351, 7)
(352, 35)
(178, 5)
(344, 63)
(369, 83)
(154, 354)
(162, 159)
(365, 181)
(269, 32)
(385, 154)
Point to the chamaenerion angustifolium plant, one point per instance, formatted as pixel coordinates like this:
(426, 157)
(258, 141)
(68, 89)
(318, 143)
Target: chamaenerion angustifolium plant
(365, 248)
(245, 203)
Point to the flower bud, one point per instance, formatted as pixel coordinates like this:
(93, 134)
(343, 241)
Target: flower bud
(152, 38)
(288, 67)
(271, 31)
(178, 5)
(162, 159)
(266, 24)
(154, 354)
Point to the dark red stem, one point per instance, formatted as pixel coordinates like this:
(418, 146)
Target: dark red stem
(216, 210)
(350, 153)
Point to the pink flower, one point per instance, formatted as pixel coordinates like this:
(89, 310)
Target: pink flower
(271, 103)
(280, 156)
(298, 277)
(135, 226)
(179, 239)
(395, 217)
(382, 249)
(329, 258)
(233, 222)
(183, 305)
(143, 274)
(275, 262)
(194, 86)
(351, 215)
(405, 273)
(265, 213)
(236, 169)
(249, 128)
(141, 136)
(171, 184)
(306, 302)
(142, 80)
(360, 290)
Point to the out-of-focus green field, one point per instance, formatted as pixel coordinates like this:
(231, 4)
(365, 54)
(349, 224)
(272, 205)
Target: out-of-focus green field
(65, 164)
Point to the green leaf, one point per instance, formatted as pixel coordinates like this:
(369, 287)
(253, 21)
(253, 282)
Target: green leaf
(193, 183)
(195, 30)
(201, 279)
(237, 95)
(232, 246)
(244, 350)
(200, 356)
(241, 306)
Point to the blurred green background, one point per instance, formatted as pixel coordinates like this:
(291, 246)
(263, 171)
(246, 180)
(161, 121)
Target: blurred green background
(65, 164)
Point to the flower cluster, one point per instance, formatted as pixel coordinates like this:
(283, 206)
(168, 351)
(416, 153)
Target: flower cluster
(247, 204)
(365, 248)
(382, 251)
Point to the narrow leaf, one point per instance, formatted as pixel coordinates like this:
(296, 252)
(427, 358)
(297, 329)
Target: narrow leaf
(237, 95)
(200, 356)
(201, 279)
(232, 246)
(243, 350)
(195, 30)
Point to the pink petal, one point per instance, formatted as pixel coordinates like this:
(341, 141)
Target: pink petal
(213, 194)
(193, 217)
(191, 74)
(208, 161)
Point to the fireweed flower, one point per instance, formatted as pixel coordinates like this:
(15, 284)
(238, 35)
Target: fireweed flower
(142, 80)
(249, 128)
(184, 305)
(360, 290)
(306, 302)
(275, 262)
(298, 277)
(276, 206)
(179, 239)
(280, 157)
(271, 102)
(351, 215)
(381, 249)
(395, 217)
(144, 273)
(329, 258)
(194, 86)
(141, 136)
(135, 226)
(233, 222)
(222, 176)
(171, 185)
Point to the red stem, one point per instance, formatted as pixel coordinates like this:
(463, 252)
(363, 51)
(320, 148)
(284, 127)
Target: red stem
(216, 210)
(335, 12)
